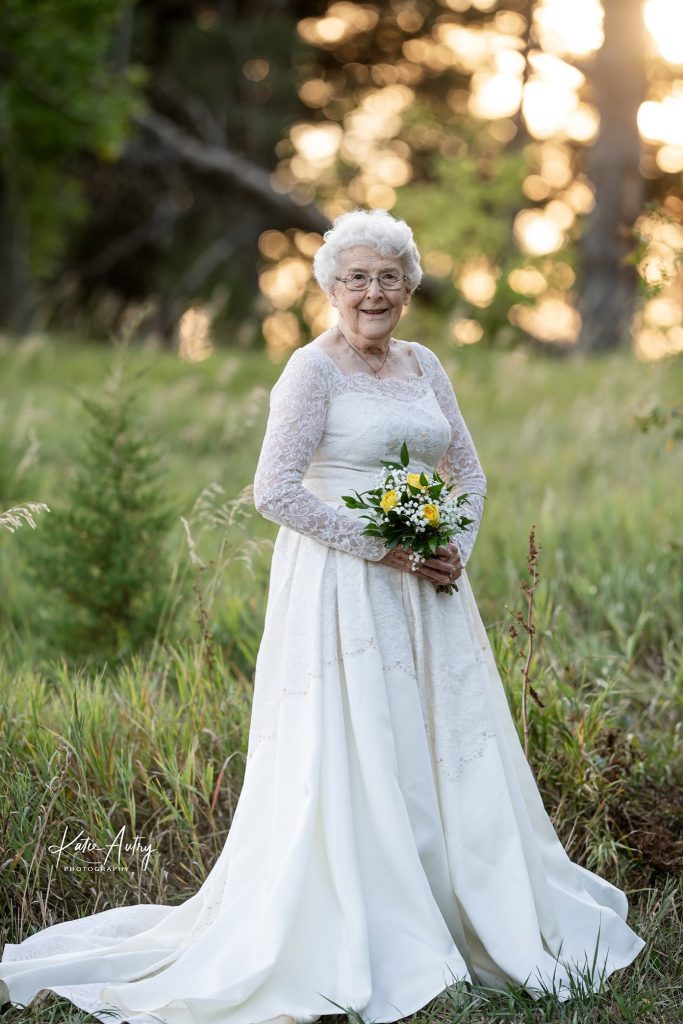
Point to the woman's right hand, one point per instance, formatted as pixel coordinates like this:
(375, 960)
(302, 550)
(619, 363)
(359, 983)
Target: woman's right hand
(438, 570)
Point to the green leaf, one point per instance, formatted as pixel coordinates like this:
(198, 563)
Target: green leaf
(371, 520)
(405, 457)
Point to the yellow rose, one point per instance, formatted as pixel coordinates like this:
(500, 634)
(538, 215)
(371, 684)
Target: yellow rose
(389, 500)
(431, 514)
(414, 480)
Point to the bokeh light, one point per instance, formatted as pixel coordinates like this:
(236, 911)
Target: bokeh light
(658, 326)
(527, 281)
(438, 263)
(664, 21)
(664, 240)
(495, 95)
(552, 319)
(551, 104)
(194, 334)
(273, 245)
(477, 281)
(282, 333)
(341, 21)
(466, 332)
(536, 233)
(285, 283)
(572, 29)
(504, 80)
(256, 70)
(316, 148)
(670, 159)
(662, 120)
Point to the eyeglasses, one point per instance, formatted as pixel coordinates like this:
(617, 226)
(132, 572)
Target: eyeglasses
(388, 281)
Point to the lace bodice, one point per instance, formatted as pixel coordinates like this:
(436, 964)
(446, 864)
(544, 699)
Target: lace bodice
(328, 432)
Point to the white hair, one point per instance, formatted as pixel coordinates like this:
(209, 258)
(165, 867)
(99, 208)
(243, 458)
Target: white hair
(390, 236)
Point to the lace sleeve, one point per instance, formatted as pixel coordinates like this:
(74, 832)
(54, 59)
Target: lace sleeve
(460, 460)
(298, 410)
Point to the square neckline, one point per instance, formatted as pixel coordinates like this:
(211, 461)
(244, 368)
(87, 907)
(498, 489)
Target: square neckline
(361, 373)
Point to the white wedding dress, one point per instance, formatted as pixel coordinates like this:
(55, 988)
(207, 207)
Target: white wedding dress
(389, 838)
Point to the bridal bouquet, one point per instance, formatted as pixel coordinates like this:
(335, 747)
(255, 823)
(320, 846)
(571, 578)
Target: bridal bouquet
(407, 510)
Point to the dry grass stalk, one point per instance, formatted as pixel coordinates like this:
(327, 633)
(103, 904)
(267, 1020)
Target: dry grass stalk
(16, 516)
(528, 587)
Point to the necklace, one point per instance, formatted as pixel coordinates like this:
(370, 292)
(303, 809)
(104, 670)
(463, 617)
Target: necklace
(375, 371)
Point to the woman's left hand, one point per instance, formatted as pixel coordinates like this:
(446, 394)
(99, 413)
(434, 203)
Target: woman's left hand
(445, 567)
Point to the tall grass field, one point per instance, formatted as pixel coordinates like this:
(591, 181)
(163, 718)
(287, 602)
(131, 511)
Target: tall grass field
(127, 671)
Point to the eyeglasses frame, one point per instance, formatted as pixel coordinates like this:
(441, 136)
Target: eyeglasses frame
(373, 277)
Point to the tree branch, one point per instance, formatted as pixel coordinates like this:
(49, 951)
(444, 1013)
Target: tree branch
(253, 180)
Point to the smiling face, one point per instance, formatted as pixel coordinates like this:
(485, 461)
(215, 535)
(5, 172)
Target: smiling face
(371, 314)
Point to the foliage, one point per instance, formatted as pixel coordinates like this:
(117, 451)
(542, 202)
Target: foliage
(101, 561)
(465, 206)
(408, 106)
(174, 781)
(161, 736)
(61, 95)
(659, 230)
(668, 420)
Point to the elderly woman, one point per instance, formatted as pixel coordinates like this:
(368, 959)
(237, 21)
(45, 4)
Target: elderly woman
(389, 839)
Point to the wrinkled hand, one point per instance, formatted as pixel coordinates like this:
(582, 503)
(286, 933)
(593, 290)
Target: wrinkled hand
(445, 567)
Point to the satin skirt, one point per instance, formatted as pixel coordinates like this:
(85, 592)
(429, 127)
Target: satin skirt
(389, 839)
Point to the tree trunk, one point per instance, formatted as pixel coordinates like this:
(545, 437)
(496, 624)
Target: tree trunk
(18, 297)
(608, 281)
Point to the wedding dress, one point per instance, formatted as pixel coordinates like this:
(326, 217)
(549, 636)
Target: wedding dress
(389, 839)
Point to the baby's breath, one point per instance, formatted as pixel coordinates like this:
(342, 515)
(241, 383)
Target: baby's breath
(418, 519)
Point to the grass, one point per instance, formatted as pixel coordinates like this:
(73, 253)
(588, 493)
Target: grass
(157, 745)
